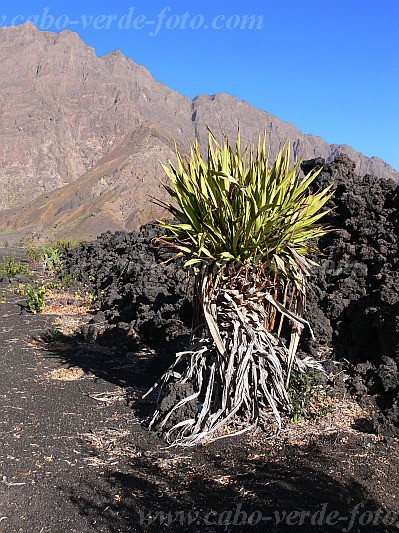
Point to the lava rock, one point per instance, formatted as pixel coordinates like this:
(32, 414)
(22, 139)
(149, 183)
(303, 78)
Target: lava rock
(138, 285)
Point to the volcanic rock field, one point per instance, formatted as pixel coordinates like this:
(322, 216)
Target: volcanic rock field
(353, 302)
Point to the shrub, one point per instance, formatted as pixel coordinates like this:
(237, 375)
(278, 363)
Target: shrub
(35, 300)
(246, 228)
(11, 268)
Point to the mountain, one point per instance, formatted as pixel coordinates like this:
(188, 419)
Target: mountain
(112, 195)
(82, 136)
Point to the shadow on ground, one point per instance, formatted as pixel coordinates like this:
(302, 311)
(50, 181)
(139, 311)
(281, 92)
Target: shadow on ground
(282, 487)
(279, 494)
(135, 372)
(125, 369)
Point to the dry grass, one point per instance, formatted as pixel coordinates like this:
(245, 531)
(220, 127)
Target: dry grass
(341, 417)
(66, 374)
(63, 303)
(108, 446)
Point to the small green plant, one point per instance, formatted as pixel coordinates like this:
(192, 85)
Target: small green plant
(35, 300)
(309, 396)
(21, 290)
(63, 244)
(54, 286)
(51, 258)
(90, 298)
(11, 268)
(34, 255)
(68, 280)
(3, 297)
(49, 255)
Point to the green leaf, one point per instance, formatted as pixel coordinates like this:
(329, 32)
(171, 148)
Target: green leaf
(236, 206)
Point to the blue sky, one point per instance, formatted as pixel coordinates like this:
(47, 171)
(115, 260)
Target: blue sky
(330, 67)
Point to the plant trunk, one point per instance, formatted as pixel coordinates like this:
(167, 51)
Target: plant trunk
(236, 374)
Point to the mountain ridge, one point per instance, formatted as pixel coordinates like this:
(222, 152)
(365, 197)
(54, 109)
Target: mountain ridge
(63, 109)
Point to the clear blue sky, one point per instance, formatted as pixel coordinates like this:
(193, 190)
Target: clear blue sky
(330, 67)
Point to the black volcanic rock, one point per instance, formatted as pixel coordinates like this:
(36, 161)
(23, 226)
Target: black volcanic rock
(356, 290)
(145, 297)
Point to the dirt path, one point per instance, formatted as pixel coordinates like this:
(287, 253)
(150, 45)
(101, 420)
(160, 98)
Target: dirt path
(74, 457)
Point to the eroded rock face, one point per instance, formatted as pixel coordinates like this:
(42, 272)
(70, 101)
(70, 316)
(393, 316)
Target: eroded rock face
(70, 122)
(353, 305)
(62, 108)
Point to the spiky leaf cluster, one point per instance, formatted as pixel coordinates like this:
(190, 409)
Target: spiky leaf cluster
(237, 207)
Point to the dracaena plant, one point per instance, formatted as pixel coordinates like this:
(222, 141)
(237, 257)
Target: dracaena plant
(245, 227)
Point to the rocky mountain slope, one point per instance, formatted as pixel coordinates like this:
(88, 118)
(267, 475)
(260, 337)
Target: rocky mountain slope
(112, 195)
(82, 135)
